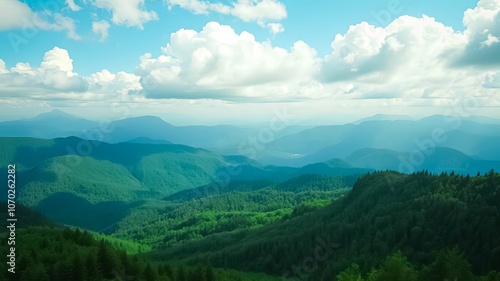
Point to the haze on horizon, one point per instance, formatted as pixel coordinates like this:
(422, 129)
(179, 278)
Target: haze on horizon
(240, 61)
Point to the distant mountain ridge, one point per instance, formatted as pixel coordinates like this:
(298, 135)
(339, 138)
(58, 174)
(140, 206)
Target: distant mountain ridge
(474, 136)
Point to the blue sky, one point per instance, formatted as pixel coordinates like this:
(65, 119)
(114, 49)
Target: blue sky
(315, 23)
(254, 55)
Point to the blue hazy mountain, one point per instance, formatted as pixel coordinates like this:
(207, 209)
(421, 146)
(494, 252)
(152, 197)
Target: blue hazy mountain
(296, 146)
(383, 117)
(47, 125)
(319, 144)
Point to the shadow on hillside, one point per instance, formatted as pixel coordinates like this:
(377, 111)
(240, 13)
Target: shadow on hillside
(67, 208)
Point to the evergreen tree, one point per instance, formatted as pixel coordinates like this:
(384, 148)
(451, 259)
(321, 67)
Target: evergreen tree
(450, 265)
(149, 274)
(78, 270)
(181, 274)
(91, 267)
(394, 268)
(492, 276)
(196, 274)
(209, 274)
(35, 272)
(105, 260)
(168, 271)
(350, 274)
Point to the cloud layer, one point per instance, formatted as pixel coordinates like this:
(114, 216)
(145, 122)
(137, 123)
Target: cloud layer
(413, 61)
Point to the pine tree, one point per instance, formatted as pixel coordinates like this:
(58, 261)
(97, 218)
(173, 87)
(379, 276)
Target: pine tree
(78, 270)
(149, 274)
(91, 267)
(350, 274)
(181, 274)
(168, 271)
(209, 274)
(105, 260)
(35, 272)
(394, 268)
(450, 265)
(196, 275)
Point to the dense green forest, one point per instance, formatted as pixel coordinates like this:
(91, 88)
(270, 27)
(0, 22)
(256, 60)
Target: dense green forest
(240, 205)
(419, 214)
(388, 226)
(53, 254)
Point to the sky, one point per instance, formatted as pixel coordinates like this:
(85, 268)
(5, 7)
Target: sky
(241, 61)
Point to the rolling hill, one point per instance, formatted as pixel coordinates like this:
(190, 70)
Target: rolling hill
(418, 214)
(95, 184)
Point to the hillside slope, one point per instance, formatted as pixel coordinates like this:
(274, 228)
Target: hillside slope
(418, 214)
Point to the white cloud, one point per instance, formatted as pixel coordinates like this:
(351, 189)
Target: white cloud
(408, 44)
(101, 28)
(55, 82)
(58, 59)
(275, 28)
(259, 11)
(218, 63)
(128, 13)
(72, 6)
(52, 78)
(107, 83)
(18, 15)
(14, 14)
(412, 61)
(483, 33)
(66, 23)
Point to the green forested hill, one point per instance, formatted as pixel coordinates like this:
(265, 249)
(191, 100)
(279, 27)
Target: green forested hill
(164, 223)
(275, 221)
(418, 214)
(56, 254)
(94, 184)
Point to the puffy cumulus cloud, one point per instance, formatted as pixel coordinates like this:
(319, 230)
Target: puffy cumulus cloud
(101, 28)
(259, 11)
(218, 63)
(107, 83)
(54, 82)
(53, 77)
(58, 59)
(128, 13)
(412, 60)
(418, 51)
(483, 34)
(408, 44)
(18, 15)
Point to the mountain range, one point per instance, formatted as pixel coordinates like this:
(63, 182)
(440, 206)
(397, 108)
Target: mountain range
(187, 196)
(468, 144)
